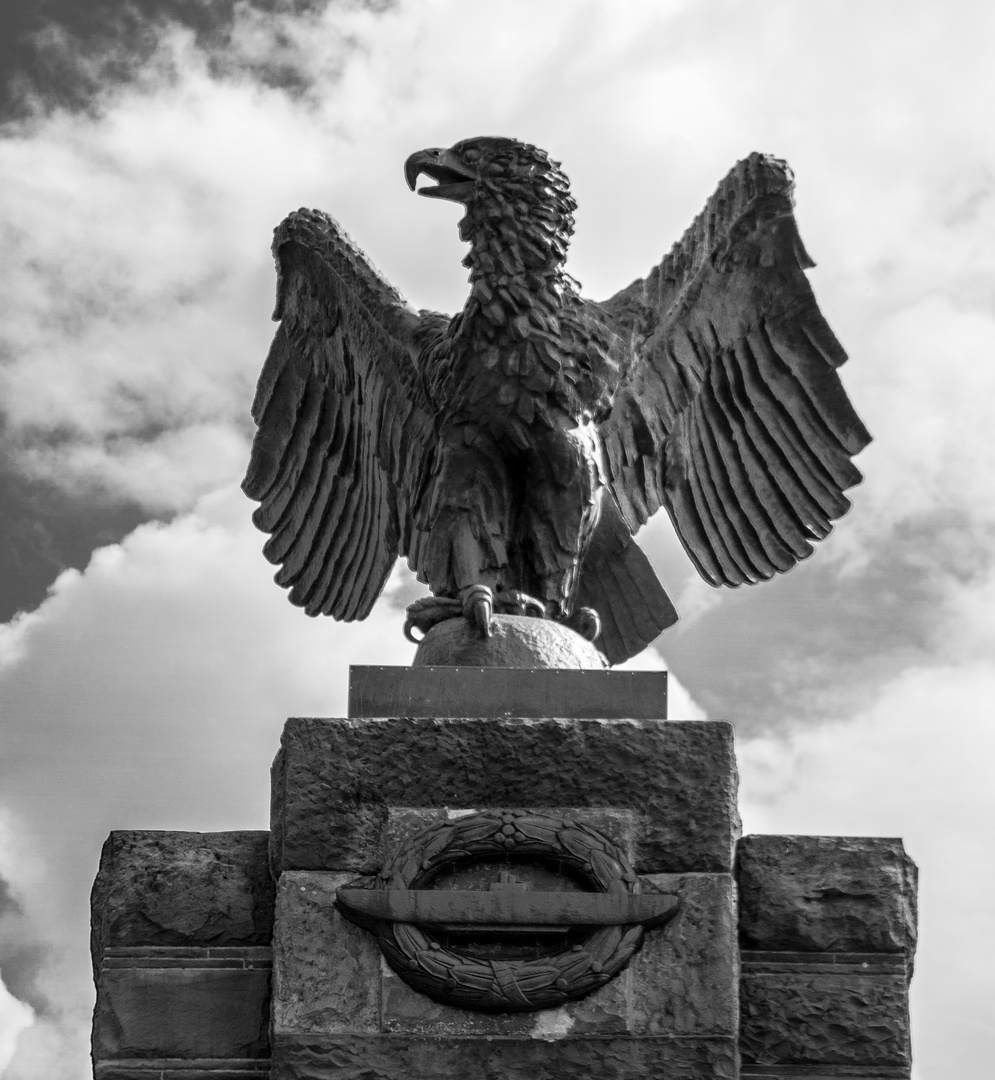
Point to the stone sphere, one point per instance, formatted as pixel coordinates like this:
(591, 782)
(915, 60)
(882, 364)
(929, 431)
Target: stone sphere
(516, 641)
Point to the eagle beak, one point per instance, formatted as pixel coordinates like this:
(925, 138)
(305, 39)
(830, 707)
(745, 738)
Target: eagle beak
(454, 180)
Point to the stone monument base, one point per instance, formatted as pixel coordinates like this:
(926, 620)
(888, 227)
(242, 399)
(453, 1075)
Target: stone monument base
(786, 957)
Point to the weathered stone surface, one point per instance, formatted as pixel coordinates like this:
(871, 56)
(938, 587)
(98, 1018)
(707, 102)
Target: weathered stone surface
(404, 823)
(481, 691)
(175, 1012)
(605, 1012)
(826, 894)
(328, 979)
(542, 1058)
(515, 642)
(684, 980)
(181, 924)
(326, 971)
(848, 1018)
(681, 983)
(182, 888)
(173, 1069)
(335, 780)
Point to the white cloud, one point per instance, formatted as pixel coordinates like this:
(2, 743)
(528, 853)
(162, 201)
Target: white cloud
(15, 1017)
(915, 763)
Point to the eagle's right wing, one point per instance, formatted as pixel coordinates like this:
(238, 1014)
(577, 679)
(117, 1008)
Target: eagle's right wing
(345, 441)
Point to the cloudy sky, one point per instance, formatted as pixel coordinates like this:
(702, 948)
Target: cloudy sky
(147, 661)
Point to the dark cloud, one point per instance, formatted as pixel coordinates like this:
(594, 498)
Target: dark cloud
(22, 956)
(813, 644)
(71, 53)
(75, 55)
(44, 531)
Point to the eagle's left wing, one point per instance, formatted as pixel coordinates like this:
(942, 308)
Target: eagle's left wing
(732, 414)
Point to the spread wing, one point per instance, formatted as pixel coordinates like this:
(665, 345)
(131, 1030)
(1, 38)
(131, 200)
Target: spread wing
(345, 439)
(732, 414)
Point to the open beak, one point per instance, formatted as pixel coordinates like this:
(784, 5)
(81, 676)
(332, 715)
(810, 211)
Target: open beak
(453, 179)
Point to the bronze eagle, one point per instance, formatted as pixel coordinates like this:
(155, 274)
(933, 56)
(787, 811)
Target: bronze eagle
(511, 451)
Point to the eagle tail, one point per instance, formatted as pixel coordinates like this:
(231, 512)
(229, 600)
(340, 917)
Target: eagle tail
(618, 581)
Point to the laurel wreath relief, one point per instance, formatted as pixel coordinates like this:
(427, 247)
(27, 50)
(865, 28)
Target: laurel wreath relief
(448, 976)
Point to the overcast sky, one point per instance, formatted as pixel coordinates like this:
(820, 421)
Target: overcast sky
(147, 152)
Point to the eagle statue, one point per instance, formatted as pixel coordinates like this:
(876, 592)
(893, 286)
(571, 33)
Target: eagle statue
(511, 452)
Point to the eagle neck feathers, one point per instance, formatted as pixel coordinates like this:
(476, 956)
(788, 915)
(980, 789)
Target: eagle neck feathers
(518, 235)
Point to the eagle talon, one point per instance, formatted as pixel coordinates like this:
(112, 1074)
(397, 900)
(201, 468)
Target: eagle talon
(423, 614)
(478, 605)
(586, 622)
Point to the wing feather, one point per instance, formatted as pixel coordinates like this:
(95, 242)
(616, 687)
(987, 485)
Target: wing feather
(736, 495)
(270, 464)
(791, 470)
(774, 524)
(345, 431)
(725, 543)
(309, 540)
(300, 515)
(287, 502)
(731, 413)
(733, 501)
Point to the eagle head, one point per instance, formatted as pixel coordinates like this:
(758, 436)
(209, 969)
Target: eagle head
(498, 179)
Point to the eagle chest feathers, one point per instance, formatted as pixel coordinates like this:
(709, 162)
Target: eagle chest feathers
(530, 366)
(518, 446)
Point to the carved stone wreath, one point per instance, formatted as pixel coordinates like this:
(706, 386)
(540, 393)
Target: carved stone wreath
(508, 985)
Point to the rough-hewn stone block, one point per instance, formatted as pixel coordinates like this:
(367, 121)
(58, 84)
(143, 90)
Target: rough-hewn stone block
(826, 894)
(404, 823)
(329, 981)
(542, 1058)
(326, 970)
(181, 926)
(851, 1014)
(181, 1013)
(182, 888)
(334, 781)
(684, 981)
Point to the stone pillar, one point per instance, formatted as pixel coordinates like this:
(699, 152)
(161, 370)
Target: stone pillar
(827, 930)
(181, 930)
(349, 792)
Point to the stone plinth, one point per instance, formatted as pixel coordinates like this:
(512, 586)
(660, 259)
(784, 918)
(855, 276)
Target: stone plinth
(349, 792)
(787, 957)
(827, 934)
(181, 932)
(458, 692)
